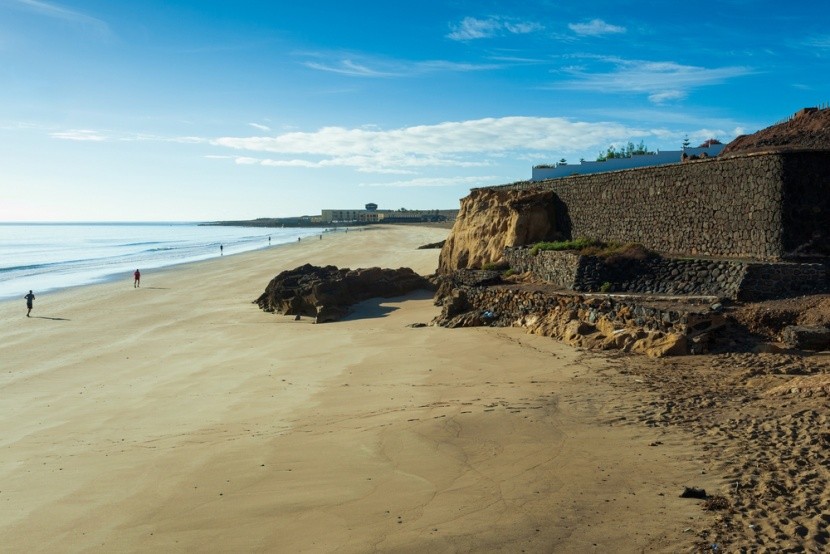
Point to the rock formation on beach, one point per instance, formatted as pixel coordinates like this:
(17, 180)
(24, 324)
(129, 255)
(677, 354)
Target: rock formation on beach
(491, 219)
(326, 293)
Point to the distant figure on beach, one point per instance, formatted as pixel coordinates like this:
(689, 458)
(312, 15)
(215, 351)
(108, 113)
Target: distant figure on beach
(221, 250)
(29, 298)
(298, 239)
(137, 282)
(269, 239)
(321, 237)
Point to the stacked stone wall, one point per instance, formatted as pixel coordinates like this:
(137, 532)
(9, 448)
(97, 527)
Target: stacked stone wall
(558, 268)
(780, 280)
(628, 323)
(732, 279)
(758, 207)
(806, 204)
(510, 305)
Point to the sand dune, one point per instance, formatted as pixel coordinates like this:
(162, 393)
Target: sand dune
(179, 417)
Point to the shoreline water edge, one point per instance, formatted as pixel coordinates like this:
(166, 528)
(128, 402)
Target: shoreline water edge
(48, 257)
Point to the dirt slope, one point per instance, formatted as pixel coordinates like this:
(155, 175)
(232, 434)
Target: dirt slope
(807, 129)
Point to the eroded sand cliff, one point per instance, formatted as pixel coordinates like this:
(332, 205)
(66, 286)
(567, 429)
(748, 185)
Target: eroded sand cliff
(491, 219)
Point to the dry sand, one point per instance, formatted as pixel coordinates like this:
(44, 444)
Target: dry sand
(180, 417)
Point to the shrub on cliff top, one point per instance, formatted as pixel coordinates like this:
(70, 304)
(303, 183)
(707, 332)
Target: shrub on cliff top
(575, 244)
(613, 252)
(495, 266)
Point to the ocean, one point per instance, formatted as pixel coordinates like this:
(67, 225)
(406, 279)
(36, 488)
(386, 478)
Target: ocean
(45, 257)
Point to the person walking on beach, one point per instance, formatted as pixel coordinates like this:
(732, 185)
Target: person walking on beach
(221, 250)
(29, 298)
(137, 282)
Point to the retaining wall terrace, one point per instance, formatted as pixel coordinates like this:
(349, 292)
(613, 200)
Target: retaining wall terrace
(763, 206)
(732, 279)
(634, 324)
(510, 304)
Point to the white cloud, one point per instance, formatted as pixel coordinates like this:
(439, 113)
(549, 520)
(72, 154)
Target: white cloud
(439, 182)
(818, 42)
(471, 28)
(349, 67)
(462, 144)
(595, 28)
(243, 160)
(660, 80)
(666, 95)
(114, 136)
(79, 135)
(357, 65)
(183, 140)
(260, 126)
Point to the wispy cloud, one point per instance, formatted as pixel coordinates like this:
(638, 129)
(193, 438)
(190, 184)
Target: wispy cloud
(666, 96)
(351, 68)
(662, 81)
(260, 126)
(476, 181)
(473, 143)
(595, 28)
(56, 11)
(80, 135)
(358, 65)
(91, 135)
(821, 42)
(471, 28)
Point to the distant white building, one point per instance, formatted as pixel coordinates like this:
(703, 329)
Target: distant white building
(541, 173)
(353, 216)
(373, 215)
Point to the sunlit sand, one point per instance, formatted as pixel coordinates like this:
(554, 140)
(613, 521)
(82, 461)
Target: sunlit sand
(180, 417)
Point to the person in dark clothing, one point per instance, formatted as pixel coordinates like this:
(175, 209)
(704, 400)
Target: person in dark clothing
(137, 282)
(29, 299)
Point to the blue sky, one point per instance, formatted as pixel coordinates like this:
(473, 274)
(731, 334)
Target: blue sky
(209, 110)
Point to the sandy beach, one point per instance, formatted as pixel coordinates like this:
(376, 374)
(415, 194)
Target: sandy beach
(179, 417)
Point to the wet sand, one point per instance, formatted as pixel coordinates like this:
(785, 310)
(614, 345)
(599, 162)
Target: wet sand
(179, 417)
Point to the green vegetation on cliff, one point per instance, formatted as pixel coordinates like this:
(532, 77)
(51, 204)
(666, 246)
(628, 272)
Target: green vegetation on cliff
(598, 248)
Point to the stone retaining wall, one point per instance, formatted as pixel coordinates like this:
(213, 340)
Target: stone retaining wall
(732, 279)
(757, 206)
(606, 322)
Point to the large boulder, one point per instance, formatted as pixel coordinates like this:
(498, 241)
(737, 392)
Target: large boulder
(490, 219)
(806, 337)
(326, 293)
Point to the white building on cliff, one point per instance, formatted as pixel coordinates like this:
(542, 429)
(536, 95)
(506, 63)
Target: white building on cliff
(543, 172)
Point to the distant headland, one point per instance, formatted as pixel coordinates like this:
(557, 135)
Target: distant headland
(349, 217)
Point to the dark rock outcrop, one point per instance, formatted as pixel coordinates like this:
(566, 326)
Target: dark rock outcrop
(814, 337)
(326, 293)
(432, 245)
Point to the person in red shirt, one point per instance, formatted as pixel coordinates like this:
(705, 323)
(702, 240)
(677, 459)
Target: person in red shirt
(137, 282)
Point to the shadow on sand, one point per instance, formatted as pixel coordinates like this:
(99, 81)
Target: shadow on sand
(50, 318)
(379, 307)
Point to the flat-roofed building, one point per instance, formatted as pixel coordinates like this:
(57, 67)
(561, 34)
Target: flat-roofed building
(353, 216)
